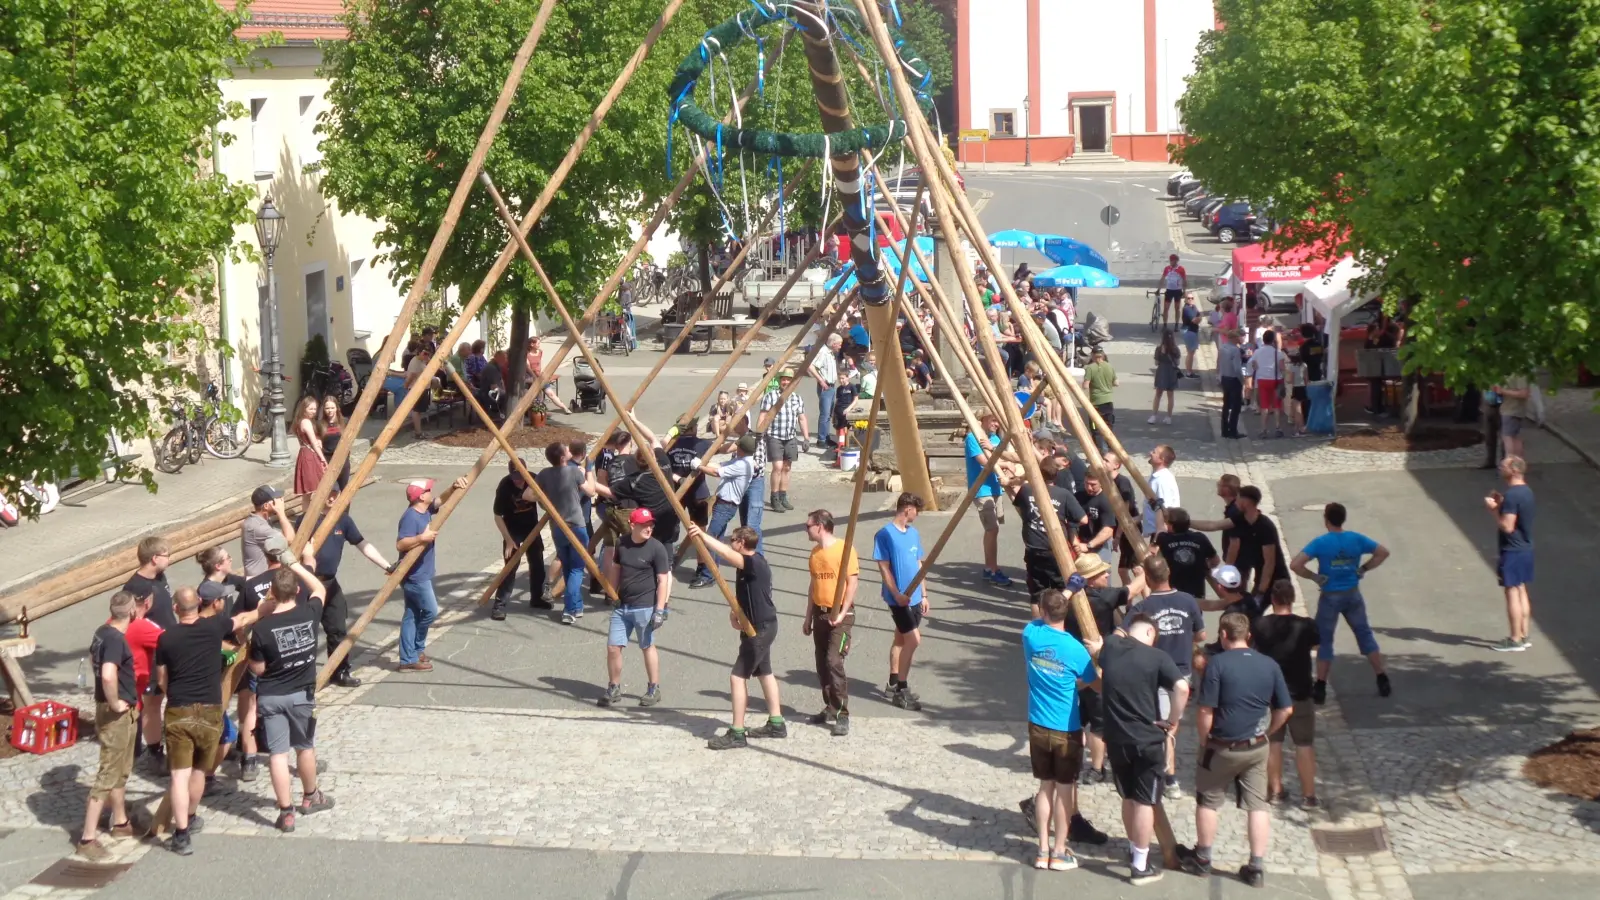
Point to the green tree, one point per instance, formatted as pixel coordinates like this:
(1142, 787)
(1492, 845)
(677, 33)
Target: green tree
(410, 91)
(1486, 188)
(108, 225)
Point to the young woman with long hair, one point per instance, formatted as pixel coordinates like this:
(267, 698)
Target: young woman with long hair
(310, 464)
(332, 429)
(1167, 375)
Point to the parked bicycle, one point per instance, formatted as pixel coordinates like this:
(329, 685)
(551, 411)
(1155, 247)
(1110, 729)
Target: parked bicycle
(261, 417)
(200, 430)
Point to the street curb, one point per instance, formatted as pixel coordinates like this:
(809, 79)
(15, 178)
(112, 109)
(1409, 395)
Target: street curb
(1564, 437)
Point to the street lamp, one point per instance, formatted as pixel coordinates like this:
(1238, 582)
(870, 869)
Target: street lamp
(269, 232)
(1027, 129)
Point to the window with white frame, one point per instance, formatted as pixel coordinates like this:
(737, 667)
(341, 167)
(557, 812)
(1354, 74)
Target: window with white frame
(262, 151)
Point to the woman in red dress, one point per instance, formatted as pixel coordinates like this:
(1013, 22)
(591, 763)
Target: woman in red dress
(310, 464)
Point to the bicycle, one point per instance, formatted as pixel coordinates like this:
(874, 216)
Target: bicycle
(1155, 307)
(261, 417)
(199, 430)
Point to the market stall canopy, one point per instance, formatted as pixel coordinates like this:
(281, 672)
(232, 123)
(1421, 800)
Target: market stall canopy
(1330, 293)
(1075, 276)
(1255, 263)
(1065, 251)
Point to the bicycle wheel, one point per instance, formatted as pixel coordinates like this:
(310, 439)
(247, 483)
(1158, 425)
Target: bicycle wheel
(226, 440)
(195, 441)
(1155, 312)
(173, 451)
(260, 423)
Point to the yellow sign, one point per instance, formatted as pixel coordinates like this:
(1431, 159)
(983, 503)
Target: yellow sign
(975, 136)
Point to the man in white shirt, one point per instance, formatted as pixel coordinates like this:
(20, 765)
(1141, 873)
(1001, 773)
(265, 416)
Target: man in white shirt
(825, 369)
(1174, 281)
(1165, 486)
(1265, 370)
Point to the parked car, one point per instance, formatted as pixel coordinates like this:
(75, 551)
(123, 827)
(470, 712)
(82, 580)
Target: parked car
(1280, 295)
(1208, 208)
(1179, 180)
(1189, 187)
(1229, 221)
(1191, 206)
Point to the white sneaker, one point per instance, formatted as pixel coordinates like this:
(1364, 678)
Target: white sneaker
(1151, 420)
(1167, 420)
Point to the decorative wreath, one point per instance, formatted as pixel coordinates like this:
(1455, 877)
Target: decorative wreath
(743, 26)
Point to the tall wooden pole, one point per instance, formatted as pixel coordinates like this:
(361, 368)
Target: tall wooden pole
(833, 106)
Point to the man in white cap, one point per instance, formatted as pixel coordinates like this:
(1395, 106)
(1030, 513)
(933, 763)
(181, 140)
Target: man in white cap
(422, 607)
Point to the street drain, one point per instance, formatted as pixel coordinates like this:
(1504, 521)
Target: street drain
(1357, 842)
(74, 875)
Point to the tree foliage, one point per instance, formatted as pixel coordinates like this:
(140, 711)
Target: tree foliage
(107, 226)
(1451, 144)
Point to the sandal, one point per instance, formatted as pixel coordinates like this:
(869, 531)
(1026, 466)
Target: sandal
(285, 821)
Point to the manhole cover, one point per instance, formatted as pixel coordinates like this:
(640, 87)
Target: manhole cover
(1359, 842)
(72, 874)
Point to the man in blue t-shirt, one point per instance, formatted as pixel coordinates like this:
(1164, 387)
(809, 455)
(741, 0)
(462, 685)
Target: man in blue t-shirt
(1339, 569)
(422, 607)
(1057, 665)
(1513, 518)
(989, 497)
(898, 550)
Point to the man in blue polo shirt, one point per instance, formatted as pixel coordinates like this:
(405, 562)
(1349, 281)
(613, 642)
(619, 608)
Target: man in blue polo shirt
(1057, 665)
(898, 550)
(1339, 569)
(989, 497)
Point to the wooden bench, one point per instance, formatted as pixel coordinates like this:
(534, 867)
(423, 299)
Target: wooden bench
(706, 330)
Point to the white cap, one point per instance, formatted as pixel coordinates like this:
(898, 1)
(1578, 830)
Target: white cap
(1227, 576)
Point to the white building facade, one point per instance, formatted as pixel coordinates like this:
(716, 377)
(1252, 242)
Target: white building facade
(1049, 79)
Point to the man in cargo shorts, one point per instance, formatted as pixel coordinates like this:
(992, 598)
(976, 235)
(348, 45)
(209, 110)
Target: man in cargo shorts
(115, 723)
(1239, 689)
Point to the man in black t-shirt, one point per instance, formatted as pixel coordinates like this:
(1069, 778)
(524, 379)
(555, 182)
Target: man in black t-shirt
(283, 657)
(641, 570)
(754, 589)
(516, 513)
(1094, 536)
(1133, 675)
(685, 453)
(1256, 547)
(335, 610)
(1290, 640)
(1180, 628)
(256, 589)
(150, 580)
(1038, 560)
(1228, 492)
(188, 667)
(115, 723)
(1188, 553)
(225, 586)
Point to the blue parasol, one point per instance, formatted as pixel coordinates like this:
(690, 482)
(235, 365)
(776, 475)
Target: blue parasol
(1075, 276)
(1065, 251)
(1014, 239)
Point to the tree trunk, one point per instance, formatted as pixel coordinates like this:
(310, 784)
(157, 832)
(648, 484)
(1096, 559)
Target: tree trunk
(518, 353)
(705, 268)
(1410, 403)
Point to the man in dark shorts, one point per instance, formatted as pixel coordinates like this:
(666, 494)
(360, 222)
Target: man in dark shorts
(1126, 561)
(1228, 492)
(335, 609)
(1181, 629)
(1240, 687)
(787, 436)
(1104, 601)
(283, 657)
(1189, 553)
(641, 570)
(753, 586)
(1133, 673)
(1038, 560)
(898, 550)
(1256, 545)
(188, 668)
(1290, 640)
(1174, 281)
(1513, 519)
(1057, 665)
(515, 515)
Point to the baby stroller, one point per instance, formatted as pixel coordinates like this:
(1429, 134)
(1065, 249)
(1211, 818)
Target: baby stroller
(1093, 331)
(590, 396)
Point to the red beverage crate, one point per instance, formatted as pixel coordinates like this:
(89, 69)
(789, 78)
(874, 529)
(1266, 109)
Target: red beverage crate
(44, 726)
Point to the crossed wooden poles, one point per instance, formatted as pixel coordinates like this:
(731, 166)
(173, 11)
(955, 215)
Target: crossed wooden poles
(954, 217)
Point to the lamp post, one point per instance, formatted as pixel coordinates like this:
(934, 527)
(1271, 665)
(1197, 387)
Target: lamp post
(1027, 130)
(269, 231)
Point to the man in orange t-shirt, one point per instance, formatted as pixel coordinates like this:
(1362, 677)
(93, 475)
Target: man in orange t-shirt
(829, 627)
(142, 636)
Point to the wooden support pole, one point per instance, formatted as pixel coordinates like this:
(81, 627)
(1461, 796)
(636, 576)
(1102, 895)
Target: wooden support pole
(398, 415)
(961, 509)
(631, 423)
(423, 280)
(527, 476)
(860, 485)
(933, 160)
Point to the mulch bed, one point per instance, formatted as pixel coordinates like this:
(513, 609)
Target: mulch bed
(1570, 765)
(522, 438)
(1391, 439)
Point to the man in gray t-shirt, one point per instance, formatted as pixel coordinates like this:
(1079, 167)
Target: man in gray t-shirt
(566, 486)
(258, 527)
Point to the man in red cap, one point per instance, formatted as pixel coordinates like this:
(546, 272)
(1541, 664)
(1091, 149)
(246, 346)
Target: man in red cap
(416, 531)
(641, 569)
